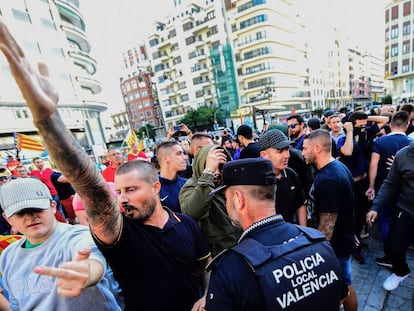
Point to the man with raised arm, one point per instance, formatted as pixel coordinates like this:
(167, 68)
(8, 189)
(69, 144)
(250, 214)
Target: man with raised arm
(157, 256)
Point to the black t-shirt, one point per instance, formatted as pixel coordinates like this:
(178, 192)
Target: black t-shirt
(64, 190)
(252, 150)
(289, 195)
(157, 269)
(332, 192)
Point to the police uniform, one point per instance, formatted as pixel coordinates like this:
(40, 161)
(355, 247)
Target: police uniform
(275, 265)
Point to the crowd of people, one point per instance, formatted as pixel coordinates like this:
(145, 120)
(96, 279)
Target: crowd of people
(242, 221)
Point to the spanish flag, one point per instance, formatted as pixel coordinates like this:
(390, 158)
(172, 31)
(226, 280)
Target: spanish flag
(29, 143)
(131, 139)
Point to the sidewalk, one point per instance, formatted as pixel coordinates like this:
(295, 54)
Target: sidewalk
(368, 278)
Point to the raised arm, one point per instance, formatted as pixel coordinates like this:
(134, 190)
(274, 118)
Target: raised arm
(64, 149)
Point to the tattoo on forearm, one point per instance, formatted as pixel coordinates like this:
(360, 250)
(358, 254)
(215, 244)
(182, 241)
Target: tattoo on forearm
(82, 173)
(327, 223)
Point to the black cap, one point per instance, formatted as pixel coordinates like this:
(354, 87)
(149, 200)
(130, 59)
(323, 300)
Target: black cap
(274, 139)
(251, 172)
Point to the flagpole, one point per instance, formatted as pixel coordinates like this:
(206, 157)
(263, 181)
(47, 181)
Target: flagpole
(15, 146)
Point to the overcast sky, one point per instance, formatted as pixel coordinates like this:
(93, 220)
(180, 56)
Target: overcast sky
(114, 26)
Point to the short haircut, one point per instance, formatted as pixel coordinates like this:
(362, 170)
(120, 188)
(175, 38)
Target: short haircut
(199, 136)
(407, 107)
(145, 169)
(110, 149)
(298, 118)
(323, 137)
(259, 193)
(400, 119)
(357, 116)
(165, 145)
(36, 158)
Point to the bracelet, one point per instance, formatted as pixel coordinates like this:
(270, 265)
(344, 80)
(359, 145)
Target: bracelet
(209, 172)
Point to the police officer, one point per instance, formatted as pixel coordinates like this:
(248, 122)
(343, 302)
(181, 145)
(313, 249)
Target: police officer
(275, 265)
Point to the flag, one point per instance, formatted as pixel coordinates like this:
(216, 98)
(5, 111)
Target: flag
(131, 139)
(141, 145)
(29, 143)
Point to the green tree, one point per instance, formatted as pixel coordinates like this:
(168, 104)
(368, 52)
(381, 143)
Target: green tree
(142, 132)
(387, 100)
(203, 118)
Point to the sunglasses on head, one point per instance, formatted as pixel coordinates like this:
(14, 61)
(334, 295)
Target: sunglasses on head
(293, 125)
(3, 178)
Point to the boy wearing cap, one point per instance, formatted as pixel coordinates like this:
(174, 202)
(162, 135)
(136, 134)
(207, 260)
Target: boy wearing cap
(27, 263)
(290, 197)
(239, 276)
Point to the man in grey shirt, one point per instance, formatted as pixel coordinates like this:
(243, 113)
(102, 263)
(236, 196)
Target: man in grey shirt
(50, 247)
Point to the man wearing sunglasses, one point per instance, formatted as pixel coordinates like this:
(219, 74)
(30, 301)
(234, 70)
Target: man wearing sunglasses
(5, 175)
(296, 128)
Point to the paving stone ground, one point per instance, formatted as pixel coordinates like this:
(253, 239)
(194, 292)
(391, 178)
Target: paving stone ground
(368, 278)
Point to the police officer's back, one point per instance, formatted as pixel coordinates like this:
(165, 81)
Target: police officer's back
(276, 265)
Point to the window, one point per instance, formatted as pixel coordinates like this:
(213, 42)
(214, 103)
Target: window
(149, 114)
(394, 32)
(394, 50)
(405, 68)
(406, 28)
(254, 20)
(48, 24)
(21, 16)
(144, 93)
(406, 47)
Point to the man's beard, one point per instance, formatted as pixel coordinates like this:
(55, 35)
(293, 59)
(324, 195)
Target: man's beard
(145, 211)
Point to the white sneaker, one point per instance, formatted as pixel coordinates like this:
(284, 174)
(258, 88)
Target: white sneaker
(393, 281)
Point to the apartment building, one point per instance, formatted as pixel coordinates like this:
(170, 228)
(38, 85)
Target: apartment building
(399, 49)
(52, 32)
(182, 50)
(271, 56)
(139, 91)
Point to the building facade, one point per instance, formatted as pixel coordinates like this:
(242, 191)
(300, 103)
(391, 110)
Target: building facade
(139, 91)
(52, 32)
(399, 44)
(181, 51)
(271, 59)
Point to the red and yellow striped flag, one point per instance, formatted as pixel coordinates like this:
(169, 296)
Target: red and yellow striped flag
(29, 143)
(131, 139)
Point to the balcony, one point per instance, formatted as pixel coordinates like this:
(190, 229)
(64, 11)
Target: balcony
(91, 84)
(96, 105)
(83, 60)
(76, 35)
(69, 10)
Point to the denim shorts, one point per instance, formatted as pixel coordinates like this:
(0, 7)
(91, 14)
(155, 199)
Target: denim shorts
(346, 265)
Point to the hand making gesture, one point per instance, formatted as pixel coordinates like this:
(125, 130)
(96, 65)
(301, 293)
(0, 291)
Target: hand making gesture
(40, 95)
(76, 275)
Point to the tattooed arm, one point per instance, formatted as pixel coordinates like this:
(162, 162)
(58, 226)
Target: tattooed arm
(327, 223)
(64, 149)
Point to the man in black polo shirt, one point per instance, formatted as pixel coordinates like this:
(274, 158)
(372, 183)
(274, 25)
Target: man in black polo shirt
(290, 197)
(250, 148)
